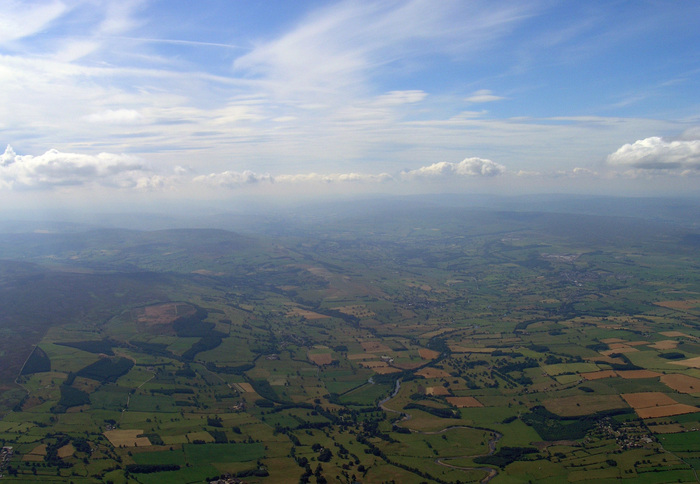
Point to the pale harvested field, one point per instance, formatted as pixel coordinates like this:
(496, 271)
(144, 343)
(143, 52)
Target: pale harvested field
(625, 349)
(204, 436)
(36, 454)
(205, 272)
(437, 391)
(613, 340)
(66, 451)
(635, 374)
(427, 354)
(436, 332)
(86, 384)
(432, 373)
(583, 404)
(638, 343)
(320, 359)
(675, 334)
(667, 428)
(386, 370)
(127, 438)
(357, 310)
(617, 346)
(245, 387)
(603, 358)
(668, 344)
(647, 399)
(361, 356)
(163, 313)
(408, 365)
(375, 347)
(470, 349)
(681, 383)
(306, 314)
(464, 402)
(682, 305)
(692, 362)
(597, 375)
(666, 411)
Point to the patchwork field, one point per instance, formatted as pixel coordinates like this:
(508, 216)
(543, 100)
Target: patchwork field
(429, 344)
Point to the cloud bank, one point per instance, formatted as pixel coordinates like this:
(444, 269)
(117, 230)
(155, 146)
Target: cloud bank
(466, 167)
(657, 154)
(55, 169)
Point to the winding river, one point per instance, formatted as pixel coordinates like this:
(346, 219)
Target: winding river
(491, 472)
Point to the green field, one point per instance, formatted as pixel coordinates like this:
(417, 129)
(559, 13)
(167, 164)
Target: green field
(413, 346)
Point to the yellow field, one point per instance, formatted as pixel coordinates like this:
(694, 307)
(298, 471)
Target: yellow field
(667, 428)
(204, 436)
(667, 344)
(127, 438)
(375, 347)
(681, 383)
(656, 405)
(437, 391)
(66, 451)
(675, 334)
(357, 310)
(36, 454)
(583, 404)
(244, 387)
(432, 373)
(666, 411)
(634, 374)
(597, 375)
(306, 314)
(361, 356)
(386, 370)
(464, 402)
(647, 399)
(321, 359)
(427, 354)
(470, 349)
(692, 362)
(682, 305)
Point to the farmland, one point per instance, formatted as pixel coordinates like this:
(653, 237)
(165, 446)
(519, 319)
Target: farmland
(411, 346)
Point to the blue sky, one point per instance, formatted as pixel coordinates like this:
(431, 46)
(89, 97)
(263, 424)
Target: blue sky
(211, 99)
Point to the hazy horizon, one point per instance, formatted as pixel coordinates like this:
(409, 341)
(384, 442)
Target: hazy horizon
(149, 103)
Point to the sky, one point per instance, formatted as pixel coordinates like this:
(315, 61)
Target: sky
(148, 101)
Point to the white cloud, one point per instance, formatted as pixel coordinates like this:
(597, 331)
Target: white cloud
(394, 98)
(334, 178)
(334, 51)
(655, 153)
(579, 171)
(483, 96)
(117, 116)
(232, 179)
(19, 19)
(466, 167)
(53, 169)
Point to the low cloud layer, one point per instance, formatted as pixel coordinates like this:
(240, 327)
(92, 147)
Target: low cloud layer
(466, 167)
(54, 169)
(656, 154)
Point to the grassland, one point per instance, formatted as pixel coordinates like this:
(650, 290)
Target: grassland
(416, 347)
